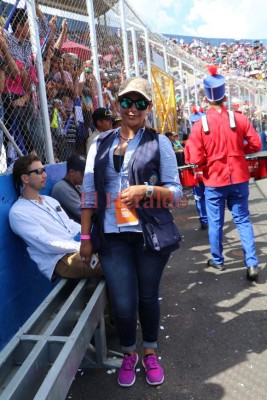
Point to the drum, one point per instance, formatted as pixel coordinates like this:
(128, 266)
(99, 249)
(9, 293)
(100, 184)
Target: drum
(261, 170)
(252, 166)
(187, 174)
(257, 164)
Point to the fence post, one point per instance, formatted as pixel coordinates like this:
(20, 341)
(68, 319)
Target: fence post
(91, 15)
(124, 39)
(148, 60)
(135, 52)
(165, 59)
(36, 49)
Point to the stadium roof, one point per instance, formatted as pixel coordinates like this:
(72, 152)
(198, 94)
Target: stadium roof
(79, 6)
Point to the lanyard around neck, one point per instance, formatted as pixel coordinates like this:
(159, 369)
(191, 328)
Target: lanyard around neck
(47, 210)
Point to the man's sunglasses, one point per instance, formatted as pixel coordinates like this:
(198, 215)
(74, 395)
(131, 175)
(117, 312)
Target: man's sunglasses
(140, 104)
(38, 171)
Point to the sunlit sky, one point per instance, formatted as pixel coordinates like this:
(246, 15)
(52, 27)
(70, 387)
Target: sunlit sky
(236, 19)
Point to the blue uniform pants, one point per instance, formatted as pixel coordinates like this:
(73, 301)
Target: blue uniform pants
(199, 196)
(236, 198)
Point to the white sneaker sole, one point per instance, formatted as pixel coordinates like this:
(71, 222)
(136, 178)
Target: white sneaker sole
(152, 383)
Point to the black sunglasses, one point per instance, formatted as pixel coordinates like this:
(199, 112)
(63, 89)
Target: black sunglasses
(140, 104)
(38, 171)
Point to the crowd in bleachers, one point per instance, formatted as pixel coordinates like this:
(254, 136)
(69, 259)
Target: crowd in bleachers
(248, 59)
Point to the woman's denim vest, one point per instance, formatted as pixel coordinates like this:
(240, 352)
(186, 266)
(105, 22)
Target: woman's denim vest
(144, 166)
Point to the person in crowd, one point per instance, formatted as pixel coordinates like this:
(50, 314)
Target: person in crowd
(77, 70)
(52, 238)
(109, 90)
(7, 66)
(15, 94)
(20, 102)
(102, 120)
(70, 128)
(68, 190)
(58, 119)
(106, 102)
(219, 145)
(19, 40)
(7, 62)
(111, 192)
(72, 70)
(89, 92)
(63, 77)
(53, 49)
(89, 100)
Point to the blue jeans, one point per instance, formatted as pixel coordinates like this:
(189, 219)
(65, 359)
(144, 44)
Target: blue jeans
(236, 197)
(133, 278)
(199, 196)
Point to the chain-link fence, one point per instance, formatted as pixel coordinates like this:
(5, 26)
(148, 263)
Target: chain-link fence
(62, 59)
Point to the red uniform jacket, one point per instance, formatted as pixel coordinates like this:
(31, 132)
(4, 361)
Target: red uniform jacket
(221, 152)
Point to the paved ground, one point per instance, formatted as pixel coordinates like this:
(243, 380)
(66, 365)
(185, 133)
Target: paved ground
(213, 340)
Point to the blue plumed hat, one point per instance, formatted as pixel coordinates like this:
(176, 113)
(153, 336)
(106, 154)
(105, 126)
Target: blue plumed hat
(214, 85)
(196, 115)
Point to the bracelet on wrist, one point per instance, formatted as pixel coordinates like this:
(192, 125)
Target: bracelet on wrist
(85, 237)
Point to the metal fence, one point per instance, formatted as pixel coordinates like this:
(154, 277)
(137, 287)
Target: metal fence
(61, 59)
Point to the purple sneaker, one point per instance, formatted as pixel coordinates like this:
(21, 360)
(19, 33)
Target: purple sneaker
(154, 371)
(127, 370)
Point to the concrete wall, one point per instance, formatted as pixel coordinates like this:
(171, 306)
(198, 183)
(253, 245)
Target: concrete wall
(22, 287)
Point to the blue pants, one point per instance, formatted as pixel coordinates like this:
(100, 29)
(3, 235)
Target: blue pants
(199, 196)
(133, 278)
(236, 197)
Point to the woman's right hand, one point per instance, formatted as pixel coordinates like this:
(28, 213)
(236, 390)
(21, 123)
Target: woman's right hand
(86, 251)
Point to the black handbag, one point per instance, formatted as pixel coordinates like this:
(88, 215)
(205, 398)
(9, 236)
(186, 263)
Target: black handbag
(160, 233)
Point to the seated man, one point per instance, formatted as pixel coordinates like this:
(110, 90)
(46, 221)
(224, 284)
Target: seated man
(67, 191)
(40, 221)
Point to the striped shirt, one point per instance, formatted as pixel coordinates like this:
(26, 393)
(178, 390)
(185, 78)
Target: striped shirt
(22, 51)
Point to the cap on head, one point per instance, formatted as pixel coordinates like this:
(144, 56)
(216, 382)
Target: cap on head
(214, 85)
(138, 85)
(100, 114)
(76, 162)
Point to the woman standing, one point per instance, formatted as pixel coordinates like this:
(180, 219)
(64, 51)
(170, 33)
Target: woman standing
(125, 168)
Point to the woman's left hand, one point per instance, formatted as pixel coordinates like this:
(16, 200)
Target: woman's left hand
(132, 195)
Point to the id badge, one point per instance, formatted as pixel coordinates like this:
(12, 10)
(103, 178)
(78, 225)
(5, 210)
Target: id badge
(125, 216)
